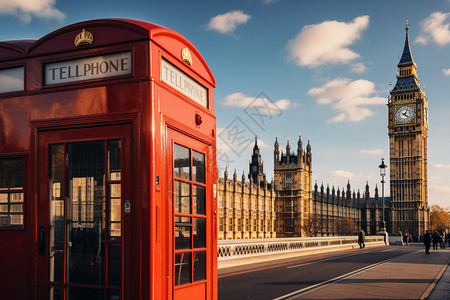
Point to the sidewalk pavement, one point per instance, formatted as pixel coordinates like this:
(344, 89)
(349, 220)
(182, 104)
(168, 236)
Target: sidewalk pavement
(415, 275)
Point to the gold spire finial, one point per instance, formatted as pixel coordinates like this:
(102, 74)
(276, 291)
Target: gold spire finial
(407, 25)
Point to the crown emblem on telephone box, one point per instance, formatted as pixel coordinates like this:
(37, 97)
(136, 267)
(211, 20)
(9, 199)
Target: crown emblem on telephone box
(186, 56)
(84, 38)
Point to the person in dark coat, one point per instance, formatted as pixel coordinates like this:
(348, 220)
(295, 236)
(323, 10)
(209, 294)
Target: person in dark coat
(442, 240)
(435, 239)
(361, 239)
(406, 239)
(427, 241)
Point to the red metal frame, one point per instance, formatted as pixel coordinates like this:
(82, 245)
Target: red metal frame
(152, 110)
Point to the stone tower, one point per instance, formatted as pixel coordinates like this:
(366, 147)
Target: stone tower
(256, 173)
(408, 132)
(293, 185)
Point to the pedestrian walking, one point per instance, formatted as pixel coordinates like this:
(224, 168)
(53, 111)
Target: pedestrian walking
(427, 241)
(401, 237)
(361, 239)
(406, 239)
(442, 240)
(435, 240)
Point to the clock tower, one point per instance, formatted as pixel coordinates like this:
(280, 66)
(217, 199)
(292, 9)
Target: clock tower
(408, 132)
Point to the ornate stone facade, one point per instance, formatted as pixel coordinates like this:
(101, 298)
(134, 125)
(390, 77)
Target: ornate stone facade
(289, 206)
(246, 210)
(293, 184)
(343, 212)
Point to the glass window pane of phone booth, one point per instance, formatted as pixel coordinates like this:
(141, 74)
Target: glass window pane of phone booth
(190, 215)
(85, 207)
(11, 192)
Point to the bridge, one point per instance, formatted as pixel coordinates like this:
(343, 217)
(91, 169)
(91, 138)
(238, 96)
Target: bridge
(237, 252)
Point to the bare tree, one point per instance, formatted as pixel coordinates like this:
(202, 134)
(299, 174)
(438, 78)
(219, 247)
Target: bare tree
(345, 226)
(312, 224)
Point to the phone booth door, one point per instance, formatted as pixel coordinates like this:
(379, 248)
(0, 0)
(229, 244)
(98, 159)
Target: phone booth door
(191, 221)
(84, 231)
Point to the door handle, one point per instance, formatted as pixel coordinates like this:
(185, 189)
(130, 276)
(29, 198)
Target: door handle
(41, 240)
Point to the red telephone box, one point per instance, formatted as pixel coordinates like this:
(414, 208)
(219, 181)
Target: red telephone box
(107, 165)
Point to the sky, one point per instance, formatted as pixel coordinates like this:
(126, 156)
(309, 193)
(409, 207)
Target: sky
(322, 69)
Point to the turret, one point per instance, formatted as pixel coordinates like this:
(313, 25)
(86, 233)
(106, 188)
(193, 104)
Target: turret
(256, 166)
(299, 146)
(225, 174)
(288, 152)
(256, 148)
(300, 151)
(276, 151)
(376, 196)
(308, 153)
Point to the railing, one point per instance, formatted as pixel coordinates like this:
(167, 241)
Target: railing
(230, 249)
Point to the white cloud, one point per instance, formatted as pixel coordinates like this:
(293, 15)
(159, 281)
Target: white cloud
(25, 10)
(227, 23)
(264, 105)
(435, 28)
(349, 98)
(371, 152)
(326, 42)
(441, 166)
(270, 1)
(358, 68)
(263, 144)
(446, 72)
(340, 174)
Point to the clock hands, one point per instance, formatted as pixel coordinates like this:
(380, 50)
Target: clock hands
(404, 114)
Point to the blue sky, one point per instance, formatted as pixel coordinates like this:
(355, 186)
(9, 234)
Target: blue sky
(320, 67)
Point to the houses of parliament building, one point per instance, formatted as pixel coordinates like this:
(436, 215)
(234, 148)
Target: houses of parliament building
(291, 206)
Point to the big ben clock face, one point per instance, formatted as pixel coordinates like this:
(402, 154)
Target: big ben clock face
(404, 114)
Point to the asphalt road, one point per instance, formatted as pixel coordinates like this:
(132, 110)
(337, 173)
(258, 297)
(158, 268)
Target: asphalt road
(280, 278)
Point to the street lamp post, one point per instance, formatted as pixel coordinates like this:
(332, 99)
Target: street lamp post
(382, 174)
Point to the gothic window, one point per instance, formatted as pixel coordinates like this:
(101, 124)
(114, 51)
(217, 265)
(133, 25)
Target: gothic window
(288, 181)
(220, 202)
(220, 224)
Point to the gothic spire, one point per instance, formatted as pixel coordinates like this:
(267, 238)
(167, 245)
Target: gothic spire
(407, 58)
(300, 143)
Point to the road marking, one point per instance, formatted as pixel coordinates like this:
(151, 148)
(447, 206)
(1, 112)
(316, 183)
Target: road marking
(263, 268)
(307, 261)
(336, 279)
(321, 260)
(387, 250)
